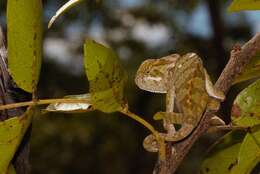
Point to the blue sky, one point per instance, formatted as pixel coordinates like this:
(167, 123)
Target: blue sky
(199, 23)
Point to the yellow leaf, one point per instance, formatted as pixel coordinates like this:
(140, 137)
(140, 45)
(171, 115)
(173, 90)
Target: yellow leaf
(11, 134)
(106, 76)
(239, 5)
(24, 24)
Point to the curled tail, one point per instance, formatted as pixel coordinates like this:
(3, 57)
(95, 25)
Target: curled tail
(151, 145)
(183, 132)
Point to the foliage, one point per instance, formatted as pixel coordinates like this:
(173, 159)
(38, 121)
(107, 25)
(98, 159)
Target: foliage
(237, 151)
(25, 42)
(11, 134)
(106, 77)
(239, 5)
(226, 151)
(245, 110)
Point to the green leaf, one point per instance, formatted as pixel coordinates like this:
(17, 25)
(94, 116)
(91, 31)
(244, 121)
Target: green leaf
(72, 107)
(106, 77)
(61, 10)
(252, 70)
(245, 109)
(24, 22)
(249, 153)
(239, 5)
(11, 134)
(223, 155)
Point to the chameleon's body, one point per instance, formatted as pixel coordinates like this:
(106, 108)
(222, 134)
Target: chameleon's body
(189, 83)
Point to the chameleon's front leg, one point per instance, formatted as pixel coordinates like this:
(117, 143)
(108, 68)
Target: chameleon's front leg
(167, 124)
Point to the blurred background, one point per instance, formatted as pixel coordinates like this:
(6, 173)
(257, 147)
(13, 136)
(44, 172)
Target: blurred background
(101, 143)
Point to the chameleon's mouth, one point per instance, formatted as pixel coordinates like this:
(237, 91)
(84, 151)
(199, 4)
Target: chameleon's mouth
(147, 84)
(151, 78)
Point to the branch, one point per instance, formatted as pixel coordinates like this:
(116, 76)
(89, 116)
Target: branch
(238, 59)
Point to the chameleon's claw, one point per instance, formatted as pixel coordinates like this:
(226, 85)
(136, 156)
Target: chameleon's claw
(150, 144)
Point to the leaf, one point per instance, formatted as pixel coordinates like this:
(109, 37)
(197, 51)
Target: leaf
(246, 112)
(239, 5)
(72, 107)
(24, 24)
(223, 155)
(106, 77)
(11, 134)
(252, 70)
(245, 109)
(61, 10)
(249, 153)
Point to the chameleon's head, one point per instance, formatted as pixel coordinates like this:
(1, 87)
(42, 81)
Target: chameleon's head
(152, 74)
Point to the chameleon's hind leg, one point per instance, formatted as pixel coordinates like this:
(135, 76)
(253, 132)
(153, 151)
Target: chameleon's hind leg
(215, 121)
(174, 118)
(216, 97)
(211, 90)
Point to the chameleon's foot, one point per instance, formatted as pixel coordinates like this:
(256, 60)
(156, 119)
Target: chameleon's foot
(150, 143)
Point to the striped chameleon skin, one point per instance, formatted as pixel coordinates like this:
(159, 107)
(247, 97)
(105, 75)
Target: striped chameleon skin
(193, 92)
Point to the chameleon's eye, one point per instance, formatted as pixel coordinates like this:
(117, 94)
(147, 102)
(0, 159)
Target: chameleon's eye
(156, 73)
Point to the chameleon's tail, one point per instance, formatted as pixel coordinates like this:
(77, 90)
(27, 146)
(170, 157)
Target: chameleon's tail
(183, 132)
(151, 145)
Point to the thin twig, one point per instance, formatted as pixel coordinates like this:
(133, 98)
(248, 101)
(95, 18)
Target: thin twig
(139, 120)
(43, 102)
(147, 125)
(226, 128)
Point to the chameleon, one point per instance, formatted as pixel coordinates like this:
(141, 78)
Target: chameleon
(184, 79)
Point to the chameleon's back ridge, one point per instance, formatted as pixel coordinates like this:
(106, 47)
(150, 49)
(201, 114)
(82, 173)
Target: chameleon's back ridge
(189, 81)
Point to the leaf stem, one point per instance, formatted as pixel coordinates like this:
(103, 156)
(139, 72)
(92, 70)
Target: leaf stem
(43, 102)
(140, 120)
